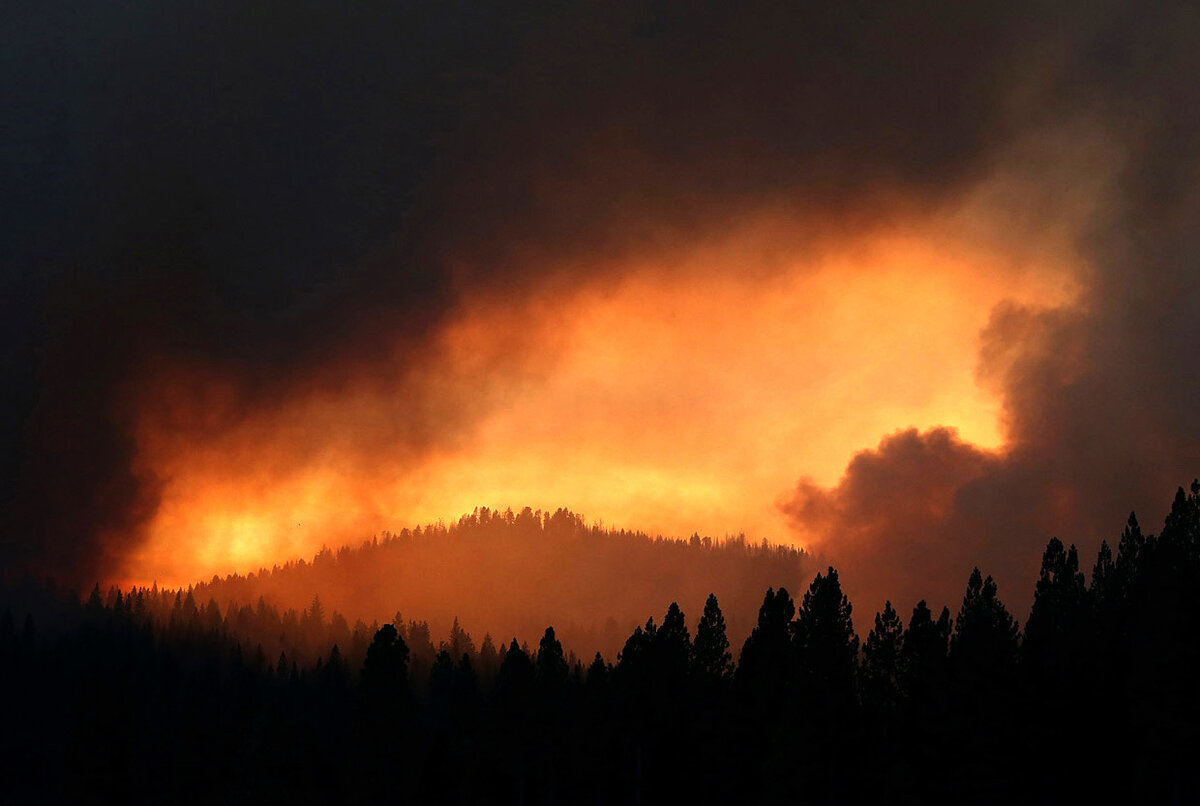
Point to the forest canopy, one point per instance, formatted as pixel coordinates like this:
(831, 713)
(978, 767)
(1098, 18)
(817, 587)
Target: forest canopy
(514, 573)
(144, 694)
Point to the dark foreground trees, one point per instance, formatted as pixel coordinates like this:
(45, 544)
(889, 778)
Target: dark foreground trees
(151, 696)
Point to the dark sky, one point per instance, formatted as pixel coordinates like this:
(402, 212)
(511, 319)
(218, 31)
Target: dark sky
(286, 194)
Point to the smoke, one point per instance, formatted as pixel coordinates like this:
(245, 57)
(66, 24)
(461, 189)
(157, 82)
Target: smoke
(220, 209)
(1099, 398)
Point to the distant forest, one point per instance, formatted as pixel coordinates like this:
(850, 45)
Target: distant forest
(163, 696)
(511, 574)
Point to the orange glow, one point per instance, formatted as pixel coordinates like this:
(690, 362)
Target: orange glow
(676, 396)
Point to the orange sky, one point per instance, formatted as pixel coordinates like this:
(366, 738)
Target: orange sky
(683, 394)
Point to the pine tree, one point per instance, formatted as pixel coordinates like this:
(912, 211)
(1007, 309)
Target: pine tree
(766, 674)
(514, 681)
(828, 647)
(489, 660)
(385, 669)
(1058, 618)
(711, 658)
(460, 642)
(1103, 577)
(597, 674)
(1129, 557)
(316, 611)
(924, 652)
(984, 645)
(881, 661)
(551, 667)
(672, 649)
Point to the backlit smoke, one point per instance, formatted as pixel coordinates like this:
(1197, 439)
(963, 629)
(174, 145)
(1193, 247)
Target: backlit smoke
(277, 276)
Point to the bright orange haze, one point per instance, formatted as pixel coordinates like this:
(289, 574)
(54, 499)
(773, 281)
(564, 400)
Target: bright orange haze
(684, 394)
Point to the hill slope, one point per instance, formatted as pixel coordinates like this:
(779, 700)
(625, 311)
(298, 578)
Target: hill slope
(513, 574)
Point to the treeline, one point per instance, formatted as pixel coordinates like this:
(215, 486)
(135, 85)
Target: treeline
(1096, 698)
(514, 573)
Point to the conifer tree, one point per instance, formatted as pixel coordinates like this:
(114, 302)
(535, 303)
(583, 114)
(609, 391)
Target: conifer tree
(672, 649)
(551, 667)
(924, 650)
(983, 649)
(515, 679)
(711, 658)
(597, 673)
(881, 661)
(1058, 618)
(768, 665)
(385, 669)
(1129, 556)
(826, 641)
(1103, 572)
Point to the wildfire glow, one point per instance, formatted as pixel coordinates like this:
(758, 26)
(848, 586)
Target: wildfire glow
(675, 396)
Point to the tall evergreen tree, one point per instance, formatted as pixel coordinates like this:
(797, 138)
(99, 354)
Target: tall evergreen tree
(1129, 556)
(827, 644)
(636, 659)
(1103, 578)
(924, 651)
(385, 669)
(1058, 619)
(711, 658)
(514, 681)
(767, 668)
(551, 665)
(672, 650)
(881, 661)
(597, 673)
(460, 642)
(983, 648)
(1182, 526)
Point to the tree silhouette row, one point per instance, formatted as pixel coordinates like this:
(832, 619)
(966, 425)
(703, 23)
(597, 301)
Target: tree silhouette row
(146, 696)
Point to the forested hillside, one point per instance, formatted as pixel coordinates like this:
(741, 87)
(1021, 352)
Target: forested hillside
(511, 574)
(146, 696)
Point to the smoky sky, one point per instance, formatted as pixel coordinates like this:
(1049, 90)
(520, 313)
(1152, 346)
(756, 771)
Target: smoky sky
(1099, 400)
(282, 193)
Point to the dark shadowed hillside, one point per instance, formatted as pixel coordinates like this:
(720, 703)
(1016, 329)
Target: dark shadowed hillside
(512, 574)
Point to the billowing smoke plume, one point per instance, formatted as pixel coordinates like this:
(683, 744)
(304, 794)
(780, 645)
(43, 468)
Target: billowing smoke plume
(1100, 400)
(269, 200)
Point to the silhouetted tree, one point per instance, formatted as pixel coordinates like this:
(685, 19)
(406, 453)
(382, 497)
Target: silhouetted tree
(1102, 574)
(1057, 651)
(489, 661)
(1129, 556)
(711, 658)
(1096, 703)
(460, 642)
(635, 661)
(551, 666)
(810, 764)
(881, 676)
(828, 646)
(1058, 620)
(767, 667)
(983, 648)
(514, 682)
(924, 650)
(597, 673)
(672, 650)
(512, 696)
(983, 657)
(385, 669)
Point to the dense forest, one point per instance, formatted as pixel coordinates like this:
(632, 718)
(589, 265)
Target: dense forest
(160, 696)
(514, 573)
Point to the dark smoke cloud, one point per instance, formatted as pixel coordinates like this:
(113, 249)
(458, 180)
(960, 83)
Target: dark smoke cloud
(286, 194)
(1101, 399)
(214, 184)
